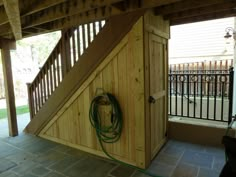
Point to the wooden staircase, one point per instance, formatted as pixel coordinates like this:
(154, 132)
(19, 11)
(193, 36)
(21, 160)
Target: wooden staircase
(79, 51)
(69, 49)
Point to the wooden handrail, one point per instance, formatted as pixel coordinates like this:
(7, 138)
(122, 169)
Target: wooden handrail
(70, 47)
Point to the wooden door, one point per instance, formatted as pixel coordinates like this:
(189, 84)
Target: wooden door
(158, 91)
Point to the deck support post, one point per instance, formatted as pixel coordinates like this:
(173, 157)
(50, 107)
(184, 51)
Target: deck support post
(5, 47)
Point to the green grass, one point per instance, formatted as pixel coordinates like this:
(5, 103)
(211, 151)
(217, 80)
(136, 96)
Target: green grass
(19, 110)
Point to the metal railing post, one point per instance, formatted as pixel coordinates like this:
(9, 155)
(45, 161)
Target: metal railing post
(231, 88)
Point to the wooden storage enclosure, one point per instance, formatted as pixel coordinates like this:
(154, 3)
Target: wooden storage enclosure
(135, 70)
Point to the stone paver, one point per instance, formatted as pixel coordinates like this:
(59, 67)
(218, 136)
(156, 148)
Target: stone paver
(90, 167)
(122, 171)
(208, 172)
(197, 158)
(185, 170)
(6, 165)
(64, 164)
(30, 156)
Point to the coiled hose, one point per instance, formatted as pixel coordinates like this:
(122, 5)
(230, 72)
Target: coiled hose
(111, 133)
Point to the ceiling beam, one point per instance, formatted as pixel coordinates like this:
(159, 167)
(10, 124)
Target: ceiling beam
(66, 9)
(41, 5)
(212, 16)
(185, 5)
(202, 10)
(3, 16)
(71, 8)
(155, 3)
(13, 13)
(82, 18)
(5, 29)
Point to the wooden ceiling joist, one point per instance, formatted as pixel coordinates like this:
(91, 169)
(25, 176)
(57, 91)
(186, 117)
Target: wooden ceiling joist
(217, 15)
(41, 5)
(3, 15)
(202, 10)
(185, 5)
(13, 13)
(86, 17)
(155, 3)
(5, 29)
(33, 17)
(60, 11)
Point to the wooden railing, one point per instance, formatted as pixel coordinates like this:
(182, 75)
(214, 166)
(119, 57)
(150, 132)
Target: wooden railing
(67, 52)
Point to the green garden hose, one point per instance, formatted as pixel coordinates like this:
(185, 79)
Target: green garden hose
(111, 133)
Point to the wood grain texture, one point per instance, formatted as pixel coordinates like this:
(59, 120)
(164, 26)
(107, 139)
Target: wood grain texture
(109, 37)
(9, 89)
(13, 13)
(122, 74)
(156, 35)
(158, 86)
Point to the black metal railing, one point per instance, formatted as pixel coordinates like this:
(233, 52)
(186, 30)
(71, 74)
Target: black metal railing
(201, 94)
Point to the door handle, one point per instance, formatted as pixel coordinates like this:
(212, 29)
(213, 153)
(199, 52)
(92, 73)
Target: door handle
(156, 96)
(151, 99)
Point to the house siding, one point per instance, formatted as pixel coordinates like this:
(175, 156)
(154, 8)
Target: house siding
(202, 41)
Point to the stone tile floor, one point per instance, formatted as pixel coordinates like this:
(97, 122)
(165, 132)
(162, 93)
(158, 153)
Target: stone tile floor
(30, 156)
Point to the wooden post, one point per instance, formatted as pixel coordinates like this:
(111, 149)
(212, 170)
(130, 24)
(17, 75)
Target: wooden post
(9, 90)
(30, 100)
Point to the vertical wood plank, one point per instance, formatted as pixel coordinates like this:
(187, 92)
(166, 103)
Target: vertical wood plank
(97, 83)
(34, 99)
(78, 42)
(68, 50)
(41, 88)
(82, 127)
(136, 40)
(51, 76)
(58, 67)
(53, 61)
(88, 33)
(47, 79)
(73, 43)
(107, 86)
(94, 30)
(44, 85)
(84, 38)
(30, 100)
(9, 91)
(38, 92)
(63, 54)
(100, 25)
(146, 96)
(122, 95)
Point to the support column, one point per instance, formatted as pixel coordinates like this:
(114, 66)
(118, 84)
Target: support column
(234, 64)
(9, 90)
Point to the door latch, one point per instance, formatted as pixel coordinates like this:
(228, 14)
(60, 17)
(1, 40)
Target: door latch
(151, 99)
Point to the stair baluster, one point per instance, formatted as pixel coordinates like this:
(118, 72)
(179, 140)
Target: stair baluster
(65, 55)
